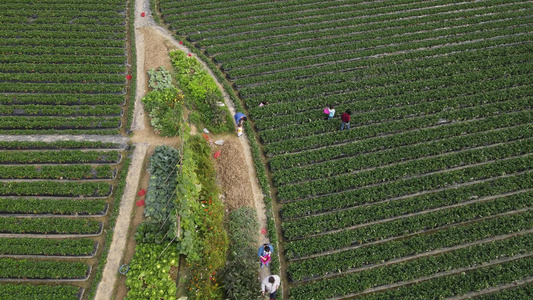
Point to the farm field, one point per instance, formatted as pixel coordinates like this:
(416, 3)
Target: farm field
(62, 66)
(63, 71)
(428, 194)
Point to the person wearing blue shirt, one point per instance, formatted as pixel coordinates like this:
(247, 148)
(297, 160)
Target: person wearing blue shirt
(262, 252)
(239, 117)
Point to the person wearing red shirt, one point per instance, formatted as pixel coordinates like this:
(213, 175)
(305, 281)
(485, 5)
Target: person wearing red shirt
(345, 118)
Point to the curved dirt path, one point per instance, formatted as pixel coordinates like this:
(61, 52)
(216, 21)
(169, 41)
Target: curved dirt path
(145, 140)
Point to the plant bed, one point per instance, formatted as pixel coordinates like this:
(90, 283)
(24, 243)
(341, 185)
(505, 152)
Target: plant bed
(52, 188)
(49, 226)
(39, 269)
(48, 247)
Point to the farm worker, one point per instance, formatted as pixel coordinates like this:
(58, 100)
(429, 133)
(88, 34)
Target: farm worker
(270, 285)
(331, 112)
(240, 130)
(345, 118)
(263, 103)
(264, 253)
(239, 118)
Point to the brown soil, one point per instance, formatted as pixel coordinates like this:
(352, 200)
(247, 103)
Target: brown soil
(233, 175)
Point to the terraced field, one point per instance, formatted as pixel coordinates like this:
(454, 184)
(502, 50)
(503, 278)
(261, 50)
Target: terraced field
(429, 194)
(63, 70)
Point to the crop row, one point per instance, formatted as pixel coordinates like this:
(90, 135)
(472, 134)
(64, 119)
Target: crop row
(48, 247)
(66, 18)
(430, 137)
(303, 227)
(48, 226)
(78, 51)
(12, 268)
(408, 225)
(346, 27)
(42, 292)
(304, 20)
(522, 292)
(425, 266)
(376, 57)
(450, 109)
(53, 68)
(470, 281)
(369, 48)
(350, 164)
(73, 88)
(443, 65)
(68, 78)
(59, 110)
(59, 157)
(93, 28)
(53, 188)
(75, 172)
(51, 11)
(382, 98)
(52, 206)
(393, 127)
(388, 33)
(63, 35)
(403, 170)
(402, 188)
(59, 42)
(62, 99)
(340, 262)
(58, 122)
(366, 11)
(19, 145)
(59, 59)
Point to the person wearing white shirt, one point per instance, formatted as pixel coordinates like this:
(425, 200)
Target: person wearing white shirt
(270, 285)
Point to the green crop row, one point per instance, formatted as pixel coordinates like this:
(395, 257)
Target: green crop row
(52, 188)
(259, 39)
(303, 227)
(408, 225)
(399, 72)
(95, 51)
(309, 19)
(58, 10)
(68, 78)
(62, 99)
(52, 206)
(19, 145)
(456, 108)
(461, 133)
(12, 268)
(402, 170)
(67, 18)
(462, 258)
(521, 292)
(59, 42)
(349, 42)
(374, 254)
(65, 28)
(73, 88)
(59, 157)
(39, 67)
(471, 281)
(417, 151)
(376, 57)
(24, 122)
(59, 59)
(48, 226)
(71, 172)
(48, 247)
(393, 127)
(61, 110)
(64, 35)
(42, 292)
(389, 97)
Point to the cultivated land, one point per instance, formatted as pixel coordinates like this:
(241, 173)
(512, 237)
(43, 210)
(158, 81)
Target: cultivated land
(63, 68)
(429, 193)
